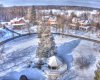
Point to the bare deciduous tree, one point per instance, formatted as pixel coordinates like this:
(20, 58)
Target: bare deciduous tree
(85, 61)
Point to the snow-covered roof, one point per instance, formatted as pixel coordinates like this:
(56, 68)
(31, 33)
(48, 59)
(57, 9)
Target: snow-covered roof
(54, 61)
(18, 19)
(21, 24)
(3, 22)
(94, 12)
(54, 18)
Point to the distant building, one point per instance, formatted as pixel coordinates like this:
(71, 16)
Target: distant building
(19, 22)
(52, 20)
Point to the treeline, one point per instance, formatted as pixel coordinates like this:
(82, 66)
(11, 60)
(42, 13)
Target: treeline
(8, 13)
(67, 7)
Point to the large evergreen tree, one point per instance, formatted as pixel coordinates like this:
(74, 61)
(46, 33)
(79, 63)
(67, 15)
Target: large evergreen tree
(46, 46)
(31, 14)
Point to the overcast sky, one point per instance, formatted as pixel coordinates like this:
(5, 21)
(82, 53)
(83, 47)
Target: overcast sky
(16, 2)
(28, 2)
(91, 3)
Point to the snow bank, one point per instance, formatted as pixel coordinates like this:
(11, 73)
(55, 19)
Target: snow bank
(30, 73)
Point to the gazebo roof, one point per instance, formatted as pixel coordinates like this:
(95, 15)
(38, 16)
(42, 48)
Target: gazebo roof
(54, 61)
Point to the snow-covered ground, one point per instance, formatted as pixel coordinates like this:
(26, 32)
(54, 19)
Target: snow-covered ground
(19, 52)
(86, 48)
(4, 34)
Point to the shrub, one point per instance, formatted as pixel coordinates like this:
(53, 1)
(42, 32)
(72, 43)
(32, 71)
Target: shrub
(85, 61)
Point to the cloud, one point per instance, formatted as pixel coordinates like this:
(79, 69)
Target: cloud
(88, 3)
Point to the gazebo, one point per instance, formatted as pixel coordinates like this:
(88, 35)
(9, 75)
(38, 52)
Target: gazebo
(54, 62)
(55, 68)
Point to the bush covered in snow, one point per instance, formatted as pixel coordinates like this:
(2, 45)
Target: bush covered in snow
(85, 61)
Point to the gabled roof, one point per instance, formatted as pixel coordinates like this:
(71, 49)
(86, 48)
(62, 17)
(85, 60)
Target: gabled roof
(53, 18)
(18, 19)
(54, 61)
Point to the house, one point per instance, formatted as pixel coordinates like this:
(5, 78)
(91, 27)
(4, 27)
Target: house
(52, 20)
(45, 18)
(18, 22)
